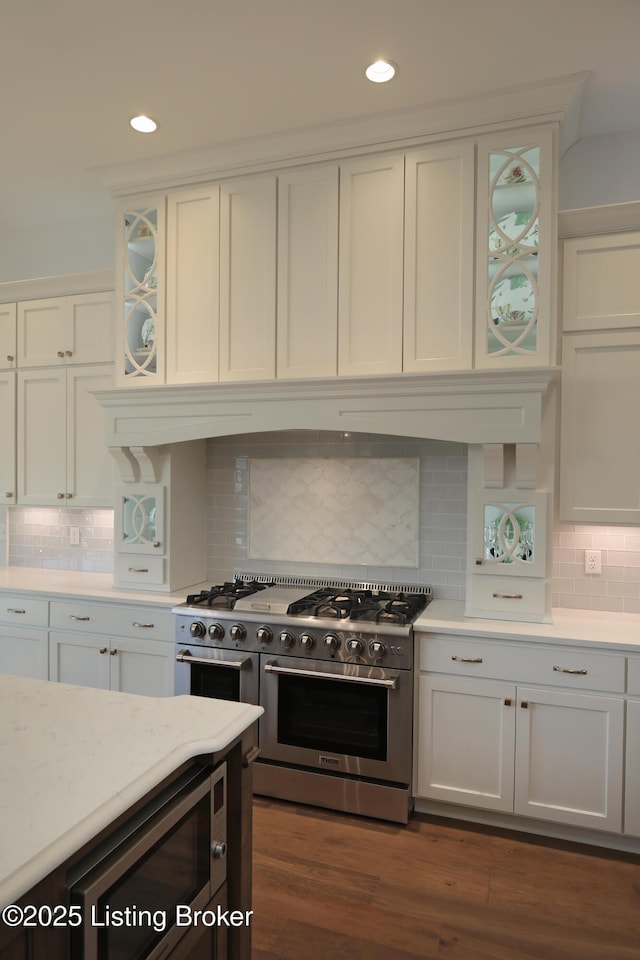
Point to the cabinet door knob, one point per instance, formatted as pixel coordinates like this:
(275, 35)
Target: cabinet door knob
(507, 701)
(68, 353)
(68, 496)
(103, 649)
(60, 496)
(113, 653)
(10, 358)
(61, 353)
(9, 494)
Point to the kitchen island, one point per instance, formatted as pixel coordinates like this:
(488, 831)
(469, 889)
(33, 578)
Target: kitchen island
(78, 763)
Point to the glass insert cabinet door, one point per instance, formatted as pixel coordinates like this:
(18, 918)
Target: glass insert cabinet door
(142, 291)
(514, 243)
(140, 519)
(510, 533)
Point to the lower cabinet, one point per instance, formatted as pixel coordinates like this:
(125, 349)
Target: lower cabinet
(131, 666)
(24, 652)
(543, 753)
(113, 646)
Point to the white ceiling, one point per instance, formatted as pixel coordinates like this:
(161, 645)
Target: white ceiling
(73, 71)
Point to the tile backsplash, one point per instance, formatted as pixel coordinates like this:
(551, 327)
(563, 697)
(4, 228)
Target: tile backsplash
(441, 521)
(41, 537)
(617, 588)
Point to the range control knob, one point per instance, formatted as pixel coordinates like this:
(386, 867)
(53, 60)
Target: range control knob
(286, 639)
(216, 631)
(377, 649)
(264, 634)
(332, 642)
(307, 641)
(197, 629)
(355, 646)
(237, 632)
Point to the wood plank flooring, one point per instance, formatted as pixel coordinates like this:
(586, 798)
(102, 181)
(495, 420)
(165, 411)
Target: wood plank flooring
(328, 886)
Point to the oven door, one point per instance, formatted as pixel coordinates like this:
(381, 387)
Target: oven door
(219, 674)
(337, 717)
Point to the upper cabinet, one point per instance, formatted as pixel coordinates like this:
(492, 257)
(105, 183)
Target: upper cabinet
(8, 313)
(515, 248)
(140, 291)
(370, 265)
(435, 258)
(599, 469)
(65, 330)
(438, 258)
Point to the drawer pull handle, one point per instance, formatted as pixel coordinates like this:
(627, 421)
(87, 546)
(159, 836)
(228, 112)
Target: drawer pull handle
(138, 570)
(145, 626)
(468, 659)
(507, 596)
(581, 673)
(72, 616)
(14, 610)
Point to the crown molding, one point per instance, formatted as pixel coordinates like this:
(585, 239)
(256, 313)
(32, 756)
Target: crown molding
(608, 218)
(556, 100)
(94, 281)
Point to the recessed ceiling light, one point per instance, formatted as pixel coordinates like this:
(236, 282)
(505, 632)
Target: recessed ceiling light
(381, 71)
(143, 124)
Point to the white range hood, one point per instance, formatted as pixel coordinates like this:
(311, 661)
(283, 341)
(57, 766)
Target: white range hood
(481, 407)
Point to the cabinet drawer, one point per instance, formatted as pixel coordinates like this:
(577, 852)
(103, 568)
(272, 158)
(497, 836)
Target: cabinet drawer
(140, 570)
(24, 610)
(570, 667)
(507, 598)
(633, 676)
(114, 620)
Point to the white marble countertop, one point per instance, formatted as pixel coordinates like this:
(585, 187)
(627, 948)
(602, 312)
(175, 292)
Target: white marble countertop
(94, 586)
(590, 627)
(73, 759)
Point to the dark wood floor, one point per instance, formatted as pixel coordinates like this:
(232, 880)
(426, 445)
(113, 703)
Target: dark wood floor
(333, 887)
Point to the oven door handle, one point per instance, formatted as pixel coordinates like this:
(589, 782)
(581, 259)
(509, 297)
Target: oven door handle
(312, 674)
(229, 664)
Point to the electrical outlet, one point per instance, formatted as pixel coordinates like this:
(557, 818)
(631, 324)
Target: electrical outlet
(74, 536)
(593, 561)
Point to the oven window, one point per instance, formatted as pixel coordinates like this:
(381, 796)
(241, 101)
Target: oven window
(333, 716)
(218, 682)
(174, 871)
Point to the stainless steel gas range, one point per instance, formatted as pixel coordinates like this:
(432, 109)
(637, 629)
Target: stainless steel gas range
(332, 665)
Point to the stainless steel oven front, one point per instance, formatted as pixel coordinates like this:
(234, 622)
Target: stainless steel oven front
(337, 717)
(205, 671)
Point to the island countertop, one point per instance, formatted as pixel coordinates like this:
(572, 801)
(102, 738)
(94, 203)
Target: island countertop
(73, 759)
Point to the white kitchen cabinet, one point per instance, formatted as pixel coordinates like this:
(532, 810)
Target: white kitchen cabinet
(8, 336)
(516, 249)
(569, 758)
(8, 437)
(632, 767)
(24, 652)
(466, 741)
(599, 456)
(192, 279)
(61, 451)
(248, 278)
(438, 258)
(112, 646)
(486, 738)
(371, 260)
(599, 459)
(140, 291)
(66, 330)
(131, 666)
(307, 291)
